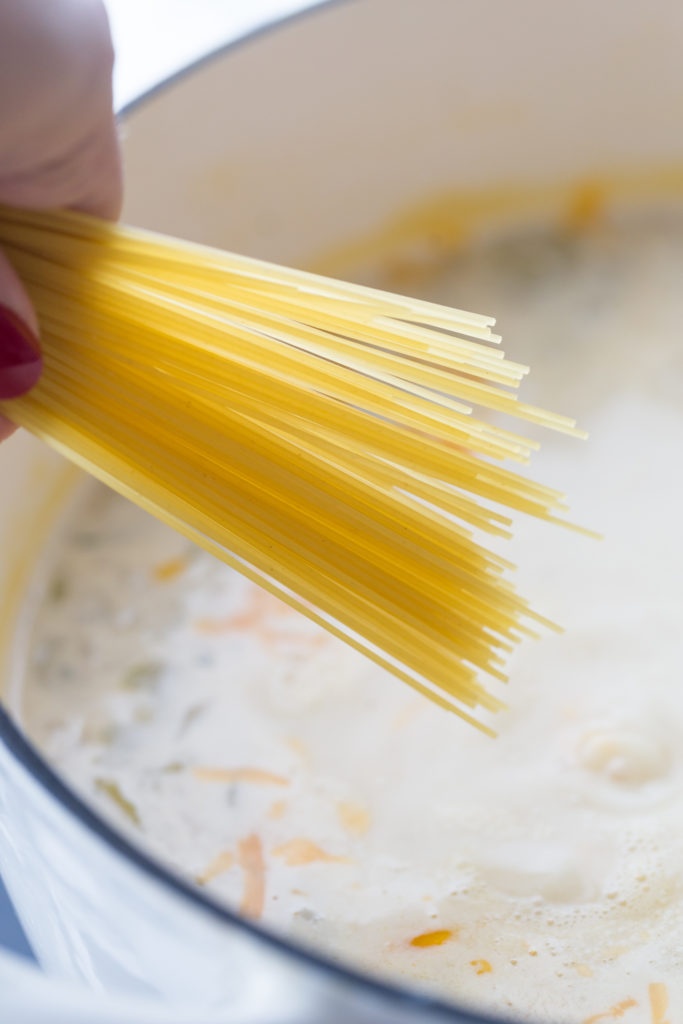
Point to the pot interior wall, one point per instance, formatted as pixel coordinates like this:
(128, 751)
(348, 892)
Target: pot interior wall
(315, 134)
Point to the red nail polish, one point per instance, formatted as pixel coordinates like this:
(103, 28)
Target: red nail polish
(20, 358)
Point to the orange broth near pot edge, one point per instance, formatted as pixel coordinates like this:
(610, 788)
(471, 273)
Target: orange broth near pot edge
(537, 874)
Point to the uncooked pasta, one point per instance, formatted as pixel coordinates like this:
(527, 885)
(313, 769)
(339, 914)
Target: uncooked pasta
(339, 445)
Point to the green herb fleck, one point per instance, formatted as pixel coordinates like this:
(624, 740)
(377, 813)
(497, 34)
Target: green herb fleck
(190, 717)
(103, 734)
(57, 590)
(86, 539)
(144, 675)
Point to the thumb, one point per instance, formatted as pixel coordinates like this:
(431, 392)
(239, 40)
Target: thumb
(20, 359)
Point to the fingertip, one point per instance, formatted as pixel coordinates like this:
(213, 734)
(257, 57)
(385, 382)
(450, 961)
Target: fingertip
(21, 362)
(20, 358)
(14, 297)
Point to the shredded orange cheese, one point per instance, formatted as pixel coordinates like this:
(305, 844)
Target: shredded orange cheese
(481, 966)
(354, 818)
(250, 857)
(659, 1002)
(436, 938)
(226, 775)
(218, 866)
(166, 571)
(266, 617)
(298, 852)
(277, 809)
(615, 1012)
(260, 608)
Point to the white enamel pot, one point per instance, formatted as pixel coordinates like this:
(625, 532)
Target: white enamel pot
(293, 139)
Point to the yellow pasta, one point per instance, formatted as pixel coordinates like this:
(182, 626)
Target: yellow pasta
(318, 436)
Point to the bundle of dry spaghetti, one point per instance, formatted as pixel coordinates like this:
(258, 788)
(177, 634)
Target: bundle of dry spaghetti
(318, 436)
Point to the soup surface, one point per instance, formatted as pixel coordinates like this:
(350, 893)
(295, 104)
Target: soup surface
(538, 873)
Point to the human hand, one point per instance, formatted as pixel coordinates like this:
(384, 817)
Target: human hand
(58, 144)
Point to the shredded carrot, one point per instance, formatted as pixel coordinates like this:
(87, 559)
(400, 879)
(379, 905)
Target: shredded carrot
(298, 852)
(481, 966)
(659, 1002)
(226, 775)
(264, 605)
(354, 818)
(277, 810)
(218, 866)
(269, 636)
(260, 607)
(166, 571)
(263, 616)
(614, 1013)
(250, 857)
(436, 938)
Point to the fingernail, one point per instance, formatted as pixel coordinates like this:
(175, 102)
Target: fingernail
(20, 358)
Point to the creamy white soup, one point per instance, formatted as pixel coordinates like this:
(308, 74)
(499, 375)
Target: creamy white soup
(538, 874)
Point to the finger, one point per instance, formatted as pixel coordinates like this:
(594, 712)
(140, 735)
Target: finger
(58, 146)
